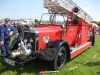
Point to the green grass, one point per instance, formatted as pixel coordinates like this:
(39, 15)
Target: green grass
(91, 68)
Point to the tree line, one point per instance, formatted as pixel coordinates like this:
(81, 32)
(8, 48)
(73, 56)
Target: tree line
(97, 22)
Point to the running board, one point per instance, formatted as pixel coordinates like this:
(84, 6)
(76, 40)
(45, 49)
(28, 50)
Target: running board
(77, 50)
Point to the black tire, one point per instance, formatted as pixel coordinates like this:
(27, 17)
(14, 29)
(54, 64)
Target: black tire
(93, 40)
(59, 60)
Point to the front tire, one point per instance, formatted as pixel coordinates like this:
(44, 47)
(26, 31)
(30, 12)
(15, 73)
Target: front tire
(59, 60)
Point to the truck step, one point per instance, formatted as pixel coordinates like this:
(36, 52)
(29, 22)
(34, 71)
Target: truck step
(73, 49)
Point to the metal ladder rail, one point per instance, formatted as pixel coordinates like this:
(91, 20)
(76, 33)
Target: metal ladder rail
(82, 14)
(65, 6)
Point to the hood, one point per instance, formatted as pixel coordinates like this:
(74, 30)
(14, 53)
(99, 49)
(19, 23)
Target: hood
(48, 29)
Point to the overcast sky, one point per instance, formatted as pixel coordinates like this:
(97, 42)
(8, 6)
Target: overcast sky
(16, 9)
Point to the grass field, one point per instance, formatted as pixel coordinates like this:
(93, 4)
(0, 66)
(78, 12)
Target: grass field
(91, 68)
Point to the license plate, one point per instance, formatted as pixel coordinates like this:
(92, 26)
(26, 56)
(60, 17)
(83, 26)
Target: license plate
(11, 62)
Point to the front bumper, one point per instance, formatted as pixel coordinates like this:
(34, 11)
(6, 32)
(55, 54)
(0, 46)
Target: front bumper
(15, 63)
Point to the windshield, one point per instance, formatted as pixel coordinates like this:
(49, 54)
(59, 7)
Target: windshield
(57, 19)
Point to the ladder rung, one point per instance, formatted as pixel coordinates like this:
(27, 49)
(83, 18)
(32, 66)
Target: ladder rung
(65, 6)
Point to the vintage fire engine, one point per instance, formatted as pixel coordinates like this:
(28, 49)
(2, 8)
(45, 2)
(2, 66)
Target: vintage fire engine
(62, 34)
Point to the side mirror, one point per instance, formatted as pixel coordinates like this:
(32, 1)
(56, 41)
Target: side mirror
(75, 10)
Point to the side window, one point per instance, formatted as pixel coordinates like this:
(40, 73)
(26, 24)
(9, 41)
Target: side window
(59, 20)
(45, 19)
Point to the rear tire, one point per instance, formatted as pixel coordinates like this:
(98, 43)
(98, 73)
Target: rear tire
(93, 40)
(59, 60)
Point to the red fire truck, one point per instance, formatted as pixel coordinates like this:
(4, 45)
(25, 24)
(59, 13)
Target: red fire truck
(60, 35)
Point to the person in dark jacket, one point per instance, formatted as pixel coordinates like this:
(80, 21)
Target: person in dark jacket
(6, 30)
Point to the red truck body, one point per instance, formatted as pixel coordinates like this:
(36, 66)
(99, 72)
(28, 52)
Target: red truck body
(61, 38)
(75, 35)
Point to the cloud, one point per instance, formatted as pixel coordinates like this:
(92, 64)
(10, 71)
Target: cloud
(86, 2)
(98, 13)
(87, 8)
(96, 17)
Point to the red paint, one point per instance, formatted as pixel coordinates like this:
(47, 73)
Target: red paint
(54, 32)
(74, 35)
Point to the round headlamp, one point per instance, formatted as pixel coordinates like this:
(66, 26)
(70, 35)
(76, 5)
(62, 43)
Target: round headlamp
(46, 39)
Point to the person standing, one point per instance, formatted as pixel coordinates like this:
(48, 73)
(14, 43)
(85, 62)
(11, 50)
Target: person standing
(6, 30)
